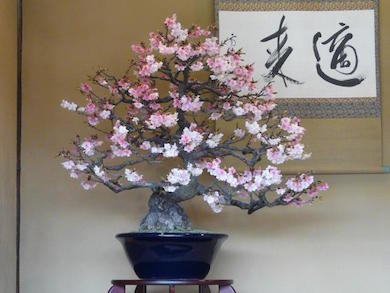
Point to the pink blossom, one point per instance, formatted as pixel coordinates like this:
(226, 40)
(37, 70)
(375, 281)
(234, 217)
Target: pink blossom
(145, 145)
(90, 108)
(105, 114)
(190, 139)
(118, 152)
(180, 67)
(145, 92)
(85, 88)
(120, 135)
(187, 104)
(89, 145)
(184, 53)
(215, 116)
(269, 93)
(292, 127)
(154, 106)
(124, 84)
(210, 46)
(151, 66)
(295, 151)
(165, 50)
(93, 120)
(137, 104)
(299, 183)
(155, 40)
(288, 198)
(276, 156)
(108, 106)
(101, 81)
(227, 106)
(215, 170)
(313, 192)
(175, 29)
(198, 32)
(170, 21)
(170, 120)
(113, 90)
(140, 50)
(197, 66)
(88, 185)
(231, 178)
(157, 120)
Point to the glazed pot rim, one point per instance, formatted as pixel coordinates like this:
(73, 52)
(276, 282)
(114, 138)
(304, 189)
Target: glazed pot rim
(172, 235)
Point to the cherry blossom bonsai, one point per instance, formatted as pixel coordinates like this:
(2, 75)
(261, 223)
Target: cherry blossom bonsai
(139, 120)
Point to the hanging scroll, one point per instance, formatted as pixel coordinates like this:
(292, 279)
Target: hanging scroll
(321, 55)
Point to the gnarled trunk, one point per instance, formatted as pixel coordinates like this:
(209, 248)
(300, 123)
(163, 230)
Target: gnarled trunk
(165, 214)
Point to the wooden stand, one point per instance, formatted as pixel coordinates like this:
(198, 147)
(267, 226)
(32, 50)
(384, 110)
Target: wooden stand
(225, 286)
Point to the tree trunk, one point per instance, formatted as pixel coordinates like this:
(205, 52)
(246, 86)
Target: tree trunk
(165, 215)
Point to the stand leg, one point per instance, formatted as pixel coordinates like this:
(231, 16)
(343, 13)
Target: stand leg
(117, 289)
(140, 289)
(204, 289)
(171, 288)
(226, 289)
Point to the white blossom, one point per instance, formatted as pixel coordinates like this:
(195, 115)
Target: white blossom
(239, 133)
(179, 176)
(170, 188)
(88, 185)
(214, 140)
(194, 170)
(68, 165)
(133, 176)
(170, 150)
(215, 201)
(68, 105)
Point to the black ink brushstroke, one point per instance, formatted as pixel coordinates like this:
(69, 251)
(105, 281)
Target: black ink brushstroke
(279, 56)
(337, 46)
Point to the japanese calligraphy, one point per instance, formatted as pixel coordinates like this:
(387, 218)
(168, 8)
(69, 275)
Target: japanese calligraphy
(279, 55)
(344, 60)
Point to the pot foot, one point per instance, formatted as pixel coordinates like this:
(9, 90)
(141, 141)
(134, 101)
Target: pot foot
(117, 289)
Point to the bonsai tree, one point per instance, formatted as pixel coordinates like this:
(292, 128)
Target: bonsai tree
(138, 119)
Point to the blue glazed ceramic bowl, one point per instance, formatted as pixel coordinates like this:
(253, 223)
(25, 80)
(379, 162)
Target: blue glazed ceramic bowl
(171, 255)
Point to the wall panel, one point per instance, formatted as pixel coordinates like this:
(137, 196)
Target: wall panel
(7, 146)
(68, 245)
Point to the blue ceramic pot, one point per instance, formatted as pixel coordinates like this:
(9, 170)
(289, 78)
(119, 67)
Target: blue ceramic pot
(171, 255)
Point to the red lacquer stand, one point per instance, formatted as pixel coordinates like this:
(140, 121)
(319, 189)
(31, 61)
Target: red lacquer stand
(119, 286)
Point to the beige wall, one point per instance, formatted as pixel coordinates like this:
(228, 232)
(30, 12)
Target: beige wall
(7, 146)
(338, 245)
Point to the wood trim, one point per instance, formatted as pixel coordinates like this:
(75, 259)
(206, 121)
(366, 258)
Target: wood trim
(19, 17)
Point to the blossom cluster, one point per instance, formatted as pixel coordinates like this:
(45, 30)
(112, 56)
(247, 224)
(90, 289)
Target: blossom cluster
(138, 123)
